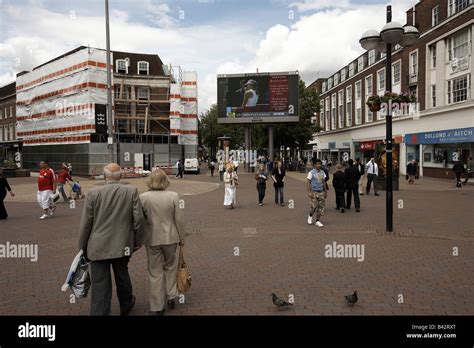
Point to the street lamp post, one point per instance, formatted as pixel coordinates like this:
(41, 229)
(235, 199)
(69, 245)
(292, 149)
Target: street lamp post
(392, 33)
(110, 129)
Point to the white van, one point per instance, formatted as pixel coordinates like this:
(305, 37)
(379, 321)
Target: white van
(191, 165)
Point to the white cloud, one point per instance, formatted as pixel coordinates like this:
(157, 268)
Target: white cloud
(308, 5)
(316, 44)
(159, 13)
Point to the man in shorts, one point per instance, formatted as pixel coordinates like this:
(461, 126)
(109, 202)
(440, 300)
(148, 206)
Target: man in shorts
(317, 192)
(46, 189)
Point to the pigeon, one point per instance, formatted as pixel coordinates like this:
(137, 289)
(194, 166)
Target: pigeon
(351, 299)
(279, 302)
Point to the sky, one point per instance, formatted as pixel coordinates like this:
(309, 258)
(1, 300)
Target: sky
(315, 37)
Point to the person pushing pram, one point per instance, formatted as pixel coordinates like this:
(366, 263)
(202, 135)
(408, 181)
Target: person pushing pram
(76, 191)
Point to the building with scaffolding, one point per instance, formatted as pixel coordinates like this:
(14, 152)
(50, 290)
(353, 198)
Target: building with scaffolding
(61, 111)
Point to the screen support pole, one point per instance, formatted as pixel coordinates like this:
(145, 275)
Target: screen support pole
(270, 143)
(248, 134)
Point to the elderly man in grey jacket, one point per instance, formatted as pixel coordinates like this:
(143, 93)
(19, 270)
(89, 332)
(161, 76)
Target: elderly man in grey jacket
(109, 234)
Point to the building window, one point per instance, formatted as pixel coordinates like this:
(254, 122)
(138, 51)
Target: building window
(143, 68)
(434, 15)
(358, 90)
(7, 134)
(122, 126)
(330, 83)
(336, 79)
(141, 126)
(396, 73)
(460, 45)
(327, 121)
(333, 111)
(458, 89)
(1, 113)
(368, 86)
(358, 116)
(351, 69)
(371, 57)
(6, 112)
(321, 114)
(121, 66)
(324, 86)
(12, 132)
(341, 108)
(343, 74)
(414, 63)
(143, 93)
(433, 96)
(455, 6)
(360, 64)
(349, 105)
(433, 55)
(381, 80)
(1, 133)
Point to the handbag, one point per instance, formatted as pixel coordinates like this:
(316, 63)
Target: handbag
(184, 277)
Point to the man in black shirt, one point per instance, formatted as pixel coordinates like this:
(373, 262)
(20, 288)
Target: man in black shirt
(352, 183)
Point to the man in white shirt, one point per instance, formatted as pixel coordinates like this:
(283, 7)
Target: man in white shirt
(372, 173)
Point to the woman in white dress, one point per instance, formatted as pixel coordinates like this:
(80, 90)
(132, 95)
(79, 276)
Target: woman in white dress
(230, 184)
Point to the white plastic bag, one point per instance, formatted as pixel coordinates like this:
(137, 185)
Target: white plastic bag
(78, 277)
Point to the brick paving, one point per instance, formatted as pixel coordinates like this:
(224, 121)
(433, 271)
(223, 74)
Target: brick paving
(278, 252)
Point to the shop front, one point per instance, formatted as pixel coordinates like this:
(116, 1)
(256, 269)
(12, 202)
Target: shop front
(438, 150)
(365, 150)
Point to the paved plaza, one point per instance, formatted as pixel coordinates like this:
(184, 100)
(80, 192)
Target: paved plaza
(239, 257)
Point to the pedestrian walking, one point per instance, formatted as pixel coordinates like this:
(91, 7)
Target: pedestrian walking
(221, 170)
(46, 188)
(339, 184)
(231, 180)
(261, 176)
(372, 173)
(362, 176)
(316, 185)
(63, 177)
(180, 167)
(411, 172)
(212, 167)
(278, 177)
(468, 171)
(163, 231)
(458, 169)
(352, 185)
(109, 234)
(4, 188)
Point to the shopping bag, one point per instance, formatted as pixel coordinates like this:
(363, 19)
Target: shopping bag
(78, 277)
(55, 196)
(184, 277)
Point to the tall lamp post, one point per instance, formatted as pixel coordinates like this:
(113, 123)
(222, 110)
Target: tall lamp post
(110, 120)
(392, 33)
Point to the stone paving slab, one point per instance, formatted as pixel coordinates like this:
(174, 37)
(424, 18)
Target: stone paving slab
(278, 252)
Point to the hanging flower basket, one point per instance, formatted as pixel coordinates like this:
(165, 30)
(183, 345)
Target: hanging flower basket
(374, 107)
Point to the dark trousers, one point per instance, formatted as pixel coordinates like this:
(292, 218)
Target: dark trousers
(221, 176)
(63, 192)
(212, 171)
(3, 211)
(340, 198)
(101, 284)
(279, 195)
(458, 179)
(355, 192)
(180, 173)
(261, 192)
(371, 178)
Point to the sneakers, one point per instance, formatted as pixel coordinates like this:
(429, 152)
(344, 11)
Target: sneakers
(52, 210)
(44, 216)
(319, 224)
(260, 204)
(310, 220)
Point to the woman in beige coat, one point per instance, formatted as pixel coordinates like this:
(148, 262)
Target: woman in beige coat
(163, 231)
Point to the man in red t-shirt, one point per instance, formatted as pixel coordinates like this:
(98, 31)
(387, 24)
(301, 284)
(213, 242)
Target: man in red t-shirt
(63, 177)
(46, 189)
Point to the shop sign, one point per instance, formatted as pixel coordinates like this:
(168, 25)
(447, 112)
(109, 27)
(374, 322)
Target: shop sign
(450, 136)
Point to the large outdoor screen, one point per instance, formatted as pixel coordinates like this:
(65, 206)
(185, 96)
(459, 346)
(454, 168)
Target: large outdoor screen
(258, 97)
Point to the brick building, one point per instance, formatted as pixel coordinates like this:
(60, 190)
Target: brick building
(437, 69)
(61, 109)
(9, 144)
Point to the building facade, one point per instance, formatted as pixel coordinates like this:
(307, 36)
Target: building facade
(9, 144)
(435, 131)
(62, 114)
